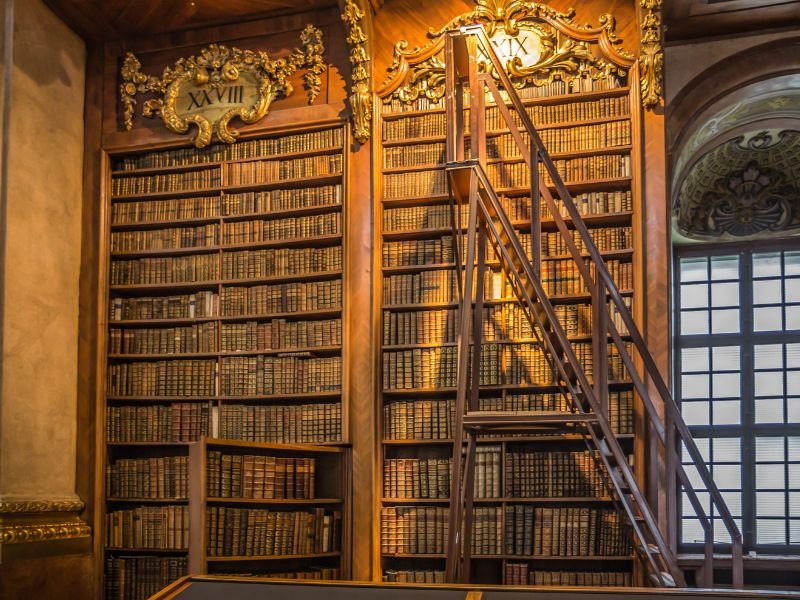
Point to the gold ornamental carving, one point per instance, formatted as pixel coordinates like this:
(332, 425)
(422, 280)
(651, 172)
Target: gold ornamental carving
(651, 60)
(39, 506)
(360, 94)
(46, 532)
(219, 84)
(538, 43)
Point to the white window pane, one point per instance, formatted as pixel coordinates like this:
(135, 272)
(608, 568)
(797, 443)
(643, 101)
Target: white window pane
(695, 413)
(694, 386)
(791, 261)
(694, 295)
(769, 449)
(767, 264)
(734, 502)
(721, 534)
(725, 294)
(726, 358)
(694, 360)
(792, 290)
(725, 385)
(793, 443)
(792, 318)
(694, 477)
(793, 410)
(728, 477)
(794, 475)
(767, 291)
(769, 410)
(767, 319)
(691, 531)
(727, 450)
(724, 267)
(768, 383)
(770, 504)
(703, 446)
(694, 269)
(794, 504)
(770, 477)
(694, 322)
(770, 531)
(794, 532)
(768, 356)
(793, 356)
(793, 383)
(726, 412)
(725, 321)
(687, 510)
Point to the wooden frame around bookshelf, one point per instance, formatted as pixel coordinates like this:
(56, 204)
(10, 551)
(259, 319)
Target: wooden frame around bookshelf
(303, 332)
(411, 122)
(330, 490)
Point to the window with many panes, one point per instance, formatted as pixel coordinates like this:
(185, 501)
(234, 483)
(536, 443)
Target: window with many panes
(737, 376)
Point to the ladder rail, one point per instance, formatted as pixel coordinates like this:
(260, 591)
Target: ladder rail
(651, 369)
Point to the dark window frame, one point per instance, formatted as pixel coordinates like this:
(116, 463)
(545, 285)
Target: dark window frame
(748, 430)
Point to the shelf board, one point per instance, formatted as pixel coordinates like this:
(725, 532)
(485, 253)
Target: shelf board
(573, 338)
(167, 223)
(271, 446)
(298, 315)
(147, 550)
(214, 283)
(154, 444)
(487, 388)
(210, 164)
(518, 557)
(153, 398)
(491, 439)
(227, 188)
(505, 500)
(284, 501)
(270, 557)
(326, 350)
(555, 299)
(306, 396)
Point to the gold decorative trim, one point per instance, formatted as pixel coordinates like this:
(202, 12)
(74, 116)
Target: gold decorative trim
(38, 506)
(215, 67)
(46, 532)
(565, 50)
(651, 60)
(360, 96)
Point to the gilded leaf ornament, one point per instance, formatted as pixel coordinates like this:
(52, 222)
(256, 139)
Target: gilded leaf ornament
(651, 60)
(360, 94)
(219, 84)
(563, 50)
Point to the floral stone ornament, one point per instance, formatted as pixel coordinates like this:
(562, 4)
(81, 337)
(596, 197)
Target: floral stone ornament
(210, 89)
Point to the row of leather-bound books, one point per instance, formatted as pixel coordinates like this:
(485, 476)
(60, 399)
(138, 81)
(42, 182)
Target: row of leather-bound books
(225, 205)
(162, 378)
(239, 173)
(525, 474)
(264, 375)
(139, 577)
(500, 364)
(558, 87)
(176, 306)
(433, 419)
(244, 264)
(175, 422)
(259, 476)
(522, 574)
(189, 421)
(274, 334)
(281, 298)
(264, 532)
(518, 209)
(198, 236)
(417, 576)
(282, 424)
(163, 477)
(153, 527)
(256, 172)
(505, 146)
(243, 149)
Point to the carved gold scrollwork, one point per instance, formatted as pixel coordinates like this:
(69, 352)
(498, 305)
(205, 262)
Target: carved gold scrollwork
(360, 96)
(215, 67)
(25, 534)
(37, 506)
(566, 51)
(651, 60)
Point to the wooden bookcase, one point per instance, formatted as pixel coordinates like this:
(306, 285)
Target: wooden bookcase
(555, 530)
(225, 313)
(263, 482)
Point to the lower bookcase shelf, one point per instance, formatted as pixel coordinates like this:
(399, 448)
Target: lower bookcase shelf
(269, 509)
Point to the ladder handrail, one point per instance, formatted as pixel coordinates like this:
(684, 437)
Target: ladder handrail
(672, 411)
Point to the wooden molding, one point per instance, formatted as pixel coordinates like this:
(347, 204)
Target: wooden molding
(40, 506)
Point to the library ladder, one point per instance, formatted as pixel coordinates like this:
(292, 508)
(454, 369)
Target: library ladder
(587, 400)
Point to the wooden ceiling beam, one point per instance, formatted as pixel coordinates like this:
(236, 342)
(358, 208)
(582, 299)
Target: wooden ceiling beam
(695, 19)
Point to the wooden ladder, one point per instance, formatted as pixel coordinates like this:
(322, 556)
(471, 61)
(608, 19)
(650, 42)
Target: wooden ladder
(587, 400)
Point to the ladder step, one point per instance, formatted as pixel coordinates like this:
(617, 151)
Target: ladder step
(650, 549)
(667, 580)
(514, 420)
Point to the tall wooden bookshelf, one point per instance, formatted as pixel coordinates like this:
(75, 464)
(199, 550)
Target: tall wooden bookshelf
(543, 514)
(225, 312)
